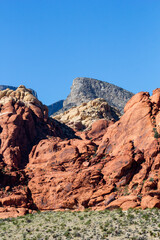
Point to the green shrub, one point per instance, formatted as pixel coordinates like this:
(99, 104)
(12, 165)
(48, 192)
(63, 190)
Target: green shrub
(151, 179)
(156, 134)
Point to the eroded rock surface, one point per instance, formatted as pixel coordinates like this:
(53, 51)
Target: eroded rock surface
(83, 116)
(23, 123)
(110, 166)
(19, 94)
(3, 87)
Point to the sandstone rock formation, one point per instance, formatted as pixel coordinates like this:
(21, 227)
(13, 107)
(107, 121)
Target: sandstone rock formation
(86, 89)
(83, 116)
(23, 123)
(3, 87)
(44, 166)
(20, 94)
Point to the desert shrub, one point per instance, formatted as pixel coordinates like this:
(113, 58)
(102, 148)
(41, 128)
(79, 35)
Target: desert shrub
(156, 134)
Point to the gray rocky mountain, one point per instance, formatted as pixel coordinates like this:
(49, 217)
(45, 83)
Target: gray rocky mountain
(55, 107)
(3, 87)
(86, 89)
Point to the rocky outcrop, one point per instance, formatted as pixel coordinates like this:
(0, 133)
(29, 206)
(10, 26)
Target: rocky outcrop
(132, 148)
(3, 87)
(112, 165)
(83, 116)
(86, 89)
(44, 166)
(23, 123)
(20, 94)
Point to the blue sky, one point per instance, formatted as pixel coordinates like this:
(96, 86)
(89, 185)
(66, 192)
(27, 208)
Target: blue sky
(45, 44)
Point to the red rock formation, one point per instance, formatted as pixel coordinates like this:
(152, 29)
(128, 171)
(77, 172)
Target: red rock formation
(22, 126)
(43, 166)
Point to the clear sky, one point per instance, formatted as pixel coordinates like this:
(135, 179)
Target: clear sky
(45, 44)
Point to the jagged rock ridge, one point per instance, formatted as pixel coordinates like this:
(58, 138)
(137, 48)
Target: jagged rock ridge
(86, 89)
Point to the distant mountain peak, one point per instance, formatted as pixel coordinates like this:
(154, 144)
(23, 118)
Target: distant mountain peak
(86, 89)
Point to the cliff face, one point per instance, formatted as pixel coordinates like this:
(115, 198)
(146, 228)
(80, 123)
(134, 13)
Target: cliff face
(112, 165)
(23, 123)
(86, 89)
(55, 107)
(45, 166)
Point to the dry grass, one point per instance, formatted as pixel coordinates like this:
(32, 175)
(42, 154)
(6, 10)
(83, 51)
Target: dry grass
(111, 225)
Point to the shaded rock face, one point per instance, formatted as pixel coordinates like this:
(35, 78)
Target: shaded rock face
(86, 89)
(83, 116)
(112, 165)
(55, 107)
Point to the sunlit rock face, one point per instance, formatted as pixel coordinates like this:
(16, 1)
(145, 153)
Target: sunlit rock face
(45, 165)
(3, 87)
(83, 116)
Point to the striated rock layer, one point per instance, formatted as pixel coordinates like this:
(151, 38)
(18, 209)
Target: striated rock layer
(44, 166)
(83, 116)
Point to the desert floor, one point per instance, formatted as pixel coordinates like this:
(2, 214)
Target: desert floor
(131, 225)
